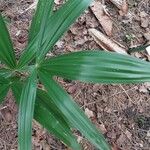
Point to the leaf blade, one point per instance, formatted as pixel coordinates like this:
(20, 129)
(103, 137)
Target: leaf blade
(99, 67)
(3, 80)
(60, 21)
(26, 110)
(56, 26)
(3, 91)
(52, 121)
(74, 114)
(43, 11)
(7, 54)
(61, 129)
(36, 32)
(5, 73)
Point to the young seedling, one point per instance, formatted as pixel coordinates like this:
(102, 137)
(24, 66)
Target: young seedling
(50, 105)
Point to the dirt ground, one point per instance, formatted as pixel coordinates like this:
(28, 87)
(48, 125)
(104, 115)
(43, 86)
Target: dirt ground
(121, 112)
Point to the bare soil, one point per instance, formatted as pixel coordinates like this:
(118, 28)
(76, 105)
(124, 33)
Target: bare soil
(121, 112)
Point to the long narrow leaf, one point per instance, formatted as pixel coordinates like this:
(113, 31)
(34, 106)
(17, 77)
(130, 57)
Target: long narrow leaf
(7, 55)
(36, 33)
(40, 18)
(5, 73)
(57, 24)
(29, 53)
(74, 114)
(54, 121)
(49, 116)
(98, 66)
(4, 86)
(60, 21)
(52, 107)
(26, 111)
(3, 91)
(3, 80)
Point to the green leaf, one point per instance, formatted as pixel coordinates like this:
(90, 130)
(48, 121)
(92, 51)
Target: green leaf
(3, 80)
(60, 21)
(49, 105)
(49, 116)
(138, 48)
(54, 121)
(28, 54)
(5, 72)
(4, 86)
(7, 55)
(72, 112)
(26, 111)
(57, 24)
(36, 33)
(43, 12)
(3, 91)
(99, 67)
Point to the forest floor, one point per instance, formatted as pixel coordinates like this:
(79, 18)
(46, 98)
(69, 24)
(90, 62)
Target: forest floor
(121, 112)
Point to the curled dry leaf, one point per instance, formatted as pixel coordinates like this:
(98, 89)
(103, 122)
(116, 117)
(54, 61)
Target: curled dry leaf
(106, 43)
(103, 17)
(122, 5)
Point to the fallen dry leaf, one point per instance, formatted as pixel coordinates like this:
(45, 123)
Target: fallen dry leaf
(8, 116)
(147, 85)
(32, 6)
(144, 19)
(143, 89)
(72, 89)
(148, 50)
(89, 113)
(79, 138)
(57, 2)
(120, 141)
(106, 43)
(147, 37)
(102, 128)
(128, 134)
(115, 147)
(148, 133)
(103, 18)
(122, 5)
